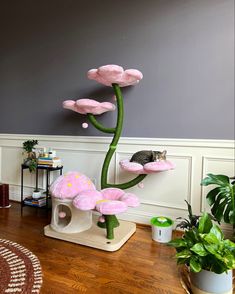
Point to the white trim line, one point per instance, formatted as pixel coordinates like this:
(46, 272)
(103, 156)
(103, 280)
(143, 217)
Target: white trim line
(125, 140)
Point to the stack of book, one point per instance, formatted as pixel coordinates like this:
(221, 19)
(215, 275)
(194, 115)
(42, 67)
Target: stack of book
(40, 202)
(49, 162)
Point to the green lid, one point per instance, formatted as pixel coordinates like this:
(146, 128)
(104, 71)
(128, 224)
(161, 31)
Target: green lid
(161, 221)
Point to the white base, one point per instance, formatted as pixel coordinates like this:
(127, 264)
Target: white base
(96, 237)
(199, 291)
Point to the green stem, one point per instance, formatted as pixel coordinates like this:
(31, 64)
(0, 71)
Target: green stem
(98, 125)
(117, 134)
(113, 146)
(110, 221)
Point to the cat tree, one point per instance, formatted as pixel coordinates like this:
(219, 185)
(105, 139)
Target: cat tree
(72, 205)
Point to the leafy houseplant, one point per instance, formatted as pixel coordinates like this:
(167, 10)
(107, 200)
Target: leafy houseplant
(30, 161)
(205, 248)
(221, 198)
(202, 247)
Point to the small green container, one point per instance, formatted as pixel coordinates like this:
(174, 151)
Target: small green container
(162, 229)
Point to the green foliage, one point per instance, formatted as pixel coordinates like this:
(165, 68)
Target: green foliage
(31, 161)
(204, 247)
(221, 198)
(29, 145)
(32, 164)
(192, 220)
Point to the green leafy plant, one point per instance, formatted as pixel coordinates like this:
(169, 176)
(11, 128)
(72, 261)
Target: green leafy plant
(221, 198)
(29, 145)
(31, 160)
(204, 247)
(192, 220)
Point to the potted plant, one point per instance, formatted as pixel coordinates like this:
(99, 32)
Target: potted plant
(209, 257)
(30, 160)
(221, 198)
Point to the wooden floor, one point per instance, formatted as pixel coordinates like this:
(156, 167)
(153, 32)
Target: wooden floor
(141, 266)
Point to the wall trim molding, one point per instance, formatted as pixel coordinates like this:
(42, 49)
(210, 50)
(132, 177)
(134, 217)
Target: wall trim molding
(124, 140)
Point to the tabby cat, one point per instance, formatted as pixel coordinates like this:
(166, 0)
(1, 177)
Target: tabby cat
(145, 156)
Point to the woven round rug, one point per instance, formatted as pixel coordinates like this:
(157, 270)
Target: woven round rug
(20, 270)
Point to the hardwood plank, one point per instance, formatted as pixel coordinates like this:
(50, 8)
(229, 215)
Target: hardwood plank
(140, 266)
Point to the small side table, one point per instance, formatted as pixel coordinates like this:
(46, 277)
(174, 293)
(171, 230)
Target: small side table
(48, 171)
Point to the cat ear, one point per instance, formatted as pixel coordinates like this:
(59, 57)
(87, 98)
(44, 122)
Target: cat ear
(164, 152)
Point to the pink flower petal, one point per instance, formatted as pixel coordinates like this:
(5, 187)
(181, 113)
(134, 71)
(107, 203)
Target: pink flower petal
(83, 202)
(92, 74)
(110, 73)
(103, 107)
(111, 207)
(132, 167)
(70, 185)
(112, 193)
(130, 199)
(85, 105)
(148, 168)
(69, 104)
(114, 74)
(131, 77)
(86, 200)
(157, 166)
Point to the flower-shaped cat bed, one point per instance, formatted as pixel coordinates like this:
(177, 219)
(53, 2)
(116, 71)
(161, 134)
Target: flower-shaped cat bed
(108, 201)
(148, 168)
(115, 74)
(85, 106)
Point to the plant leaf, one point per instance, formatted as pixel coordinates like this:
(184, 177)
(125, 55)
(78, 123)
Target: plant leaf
(212, 248)
(184, 254)
(195, 265)
(220, 180)
(217, 232)
(177, 243)
(205, 223)
(220, 210)
(218, 267)
(211, 239)
(227, 212)
(212, 195)
(229, 245)
(199, 249)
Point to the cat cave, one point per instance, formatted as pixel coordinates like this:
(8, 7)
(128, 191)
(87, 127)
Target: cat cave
(80, 213)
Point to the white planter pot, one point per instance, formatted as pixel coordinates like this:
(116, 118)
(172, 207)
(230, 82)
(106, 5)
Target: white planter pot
(37, 195)
(206, 282)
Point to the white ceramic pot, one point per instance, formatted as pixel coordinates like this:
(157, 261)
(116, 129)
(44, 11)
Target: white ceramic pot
(162, 229)
(206, 282)
(36, 195)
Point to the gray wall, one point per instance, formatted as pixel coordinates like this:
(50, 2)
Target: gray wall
(183, 47)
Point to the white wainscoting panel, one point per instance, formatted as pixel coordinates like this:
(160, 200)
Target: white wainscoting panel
(163, 193)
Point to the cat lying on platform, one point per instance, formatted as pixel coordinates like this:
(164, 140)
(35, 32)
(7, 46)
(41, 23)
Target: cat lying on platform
(145, 156)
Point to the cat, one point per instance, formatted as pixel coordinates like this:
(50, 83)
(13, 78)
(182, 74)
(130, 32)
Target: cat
(145, 156)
